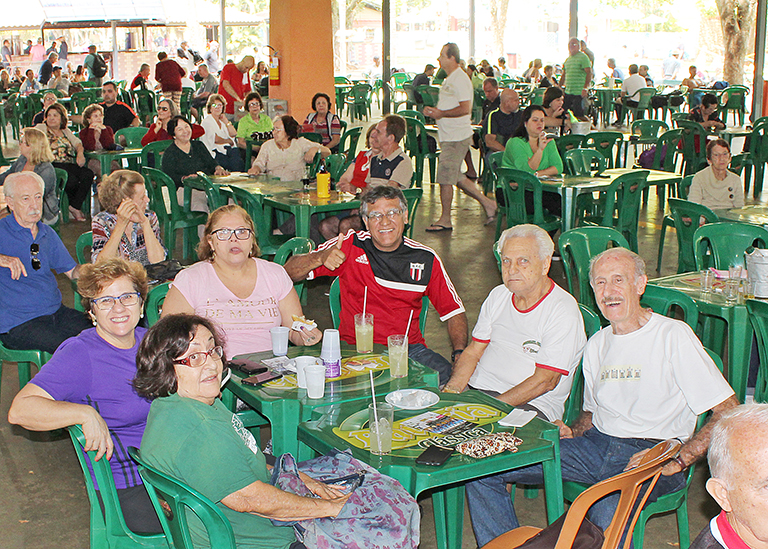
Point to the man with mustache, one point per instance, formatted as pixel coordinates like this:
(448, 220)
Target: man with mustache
(31, 313)
(646, 379)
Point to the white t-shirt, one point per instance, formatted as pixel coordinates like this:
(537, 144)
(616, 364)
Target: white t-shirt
(631, 85)
(650, 383)
(549, 335)
(212, 129)
(455, 89)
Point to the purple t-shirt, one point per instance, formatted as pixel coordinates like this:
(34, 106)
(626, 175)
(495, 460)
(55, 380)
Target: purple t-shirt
(87, 370)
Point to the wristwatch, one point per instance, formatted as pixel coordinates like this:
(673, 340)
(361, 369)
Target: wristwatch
(456, 353)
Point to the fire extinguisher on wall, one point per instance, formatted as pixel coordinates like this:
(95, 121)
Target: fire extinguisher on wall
(274, 67)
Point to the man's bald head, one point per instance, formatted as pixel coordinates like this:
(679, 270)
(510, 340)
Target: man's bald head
(510, 101)
(248, 62)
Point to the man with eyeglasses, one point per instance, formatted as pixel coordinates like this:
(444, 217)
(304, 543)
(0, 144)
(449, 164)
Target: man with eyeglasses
(31, 313)
(397, 272)
(117, 115)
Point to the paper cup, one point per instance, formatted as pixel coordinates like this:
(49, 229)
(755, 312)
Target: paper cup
(302, 363)
(279, 340)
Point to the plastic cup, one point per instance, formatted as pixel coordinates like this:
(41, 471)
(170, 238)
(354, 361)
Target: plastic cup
(732, 290)
(364, 332)
(398, 355)
(315, 381)
(331, 353)
(734, 271)
(706, 279)
(381, 432)
(280, 340)
(302, 363)
(749, 288)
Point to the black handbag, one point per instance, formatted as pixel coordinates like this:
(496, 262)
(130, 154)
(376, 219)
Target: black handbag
(164, 270)
(589, 536)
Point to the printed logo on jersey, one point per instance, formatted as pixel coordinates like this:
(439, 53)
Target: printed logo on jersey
(620, 373)
(388, 172)
(531, 347)
(416, 270)
(362, 259)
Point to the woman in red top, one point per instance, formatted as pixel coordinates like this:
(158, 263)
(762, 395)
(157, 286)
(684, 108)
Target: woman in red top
(158, 130)
(95, 135)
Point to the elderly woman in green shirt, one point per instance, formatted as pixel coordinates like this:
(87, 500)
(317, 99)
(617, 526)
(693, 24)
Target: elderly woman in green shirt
(533, 151)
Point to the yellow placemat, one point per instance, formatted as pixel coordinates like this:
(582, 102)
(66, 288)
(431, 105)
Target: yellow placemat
(375, 363)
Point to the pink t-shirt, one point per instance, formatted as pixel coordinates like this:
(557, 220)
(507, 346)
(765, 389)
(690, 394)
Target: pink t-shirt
(246, 322)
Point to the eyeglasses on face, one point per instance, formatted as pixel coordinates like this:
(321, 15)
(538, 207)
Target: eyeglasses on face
(126, 300)
(195, 360)
(34, 249)
(391, 215)
(225, 234)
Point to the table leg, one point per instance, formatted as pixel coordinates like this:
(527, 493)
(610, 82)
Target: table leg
(448, 506)
(302, 222)
(568, 213)
(106, 164)
(284, 425)
(553, 478)
(740, 334)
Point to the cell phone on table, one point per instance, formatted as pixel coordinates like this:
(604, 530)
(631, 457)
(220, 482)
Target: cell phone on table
(248, 367)
(262, 378)
(434, 456)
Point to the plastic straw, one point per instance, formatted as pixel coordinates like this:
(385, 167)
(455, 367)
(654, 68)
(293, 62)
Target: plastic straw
(365, 301)
(408, 328)
(375, 410)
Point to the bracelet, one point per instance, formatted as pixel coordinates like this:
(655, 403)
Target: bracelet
(456, 353)
(681, 463)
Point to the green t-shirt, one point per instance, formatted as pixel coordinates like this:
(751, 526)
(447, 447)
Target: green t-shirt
(518, 152)
(208, 448)
(247, 126)
(575, 77)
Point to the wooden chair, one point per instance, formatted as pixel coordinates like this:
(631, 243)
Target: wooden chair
(629, 484)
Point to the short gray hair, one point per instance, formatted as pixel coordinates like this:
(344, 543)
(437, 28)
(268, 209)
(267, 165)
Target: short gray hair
(741, 419)
(542, 238)
(10, 182)
(386, 192)
(618, 251)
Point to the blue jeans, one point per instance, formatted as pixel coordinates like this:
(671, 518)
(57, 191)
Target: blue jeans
(429, 358)
(588, 459)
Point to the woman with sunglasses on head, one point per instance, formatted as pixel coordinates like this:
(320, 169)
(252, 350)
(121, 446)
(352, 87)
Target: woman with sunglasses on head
(158, 130)
(246, 295)
(220, 134)
(87, 382)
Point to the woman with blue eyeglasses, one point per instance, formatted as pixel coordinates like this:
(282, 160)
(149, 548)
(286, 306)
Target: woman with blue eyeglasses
(245, 295)
(87, 382)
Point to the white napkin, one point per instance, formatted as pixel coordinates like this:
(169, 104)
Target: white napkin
(517, 418)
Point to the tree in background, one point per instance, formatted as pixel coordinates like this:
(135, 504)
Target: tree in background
(499, 9)
(737, 18)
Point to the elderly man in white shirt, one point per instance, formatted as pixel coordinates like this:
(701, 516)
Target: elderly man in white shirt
(630, 95)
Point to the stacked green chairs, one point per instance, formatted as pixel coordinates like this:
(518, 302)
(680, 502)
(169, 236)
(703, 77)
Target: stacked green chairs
(348, 142)
(622, 204)
(721, 245)
(171, 215)
(734, 99)
(337, 165)
(686, 217)
(604, 142)
(108, 529)
(24, 360)
(262, 219)
(146, 105)
(358, 101)
(154, 151)
(174, 501)
(295, 246)
(417, 146)
(694, 145)
(577, 247)
(568, 142)
(155, 300)
(513, 184)
(412, 197)
(132, 136)
(758, 316)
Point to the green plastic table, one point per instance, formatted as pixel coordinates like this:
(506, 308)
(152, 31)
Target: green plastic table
(570, 186)
(285, 407)
(344, 425)
(739, 331)
(105, 157)
(752, 215)
(303, 203)
(734, 131)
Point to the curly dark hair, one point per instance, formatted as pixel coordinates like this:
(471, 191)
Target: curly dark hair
(318, 96)
(165, 342)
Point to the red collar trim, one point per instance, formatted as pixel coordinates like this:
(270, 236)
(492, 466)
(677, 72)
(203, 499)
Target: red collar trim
(551, 287)
(723, 532)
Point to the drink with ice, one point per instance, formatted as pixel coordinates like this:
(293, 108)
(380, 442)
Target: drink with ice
(381, 432)
(364, 333)
(398, 355)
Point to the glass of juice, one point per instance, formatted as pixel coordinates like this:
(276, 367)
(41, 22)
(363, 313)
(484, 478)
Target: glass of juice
(381, 432)
(364, 332)
(398, 355)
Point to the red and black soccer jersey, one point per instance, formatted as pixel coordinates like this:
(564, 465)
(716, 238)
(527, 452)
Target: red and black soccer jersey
(396, 282)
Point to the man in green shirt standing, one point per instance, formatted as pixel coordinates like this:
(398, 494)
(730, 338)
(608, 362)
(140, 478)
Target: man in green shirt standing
(577, 74)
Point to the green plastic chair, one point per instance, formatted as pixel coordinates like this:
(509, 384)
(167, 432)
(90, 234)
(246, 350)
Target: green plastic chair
(171, 215)
(643, 104)
(155, 300)
(186, 101)
(173, 500)
(694, 135)
(108, 529)
(568, 142)
(334, 301)
(83, 243)
(413, 197)
(623, 198)
(146, 105)
(411, 101)
(14, 117)
(537, 97)
(61, 184)
(295, 246)
(646, 132)
(726, 243)
(758, 156)
(686, 217)
(491, 164)
(132, 136)
(24, 360)
(577, 247)
(215, 198)
(576, 396)
(758, 316)
(417, 147)
(513, 184)
(337, 165)
(358, 101)
(584, 162)
(734, 99)
(262, 218)
(682, 193)
(312, 136)
(156, 149)
(666, 162)
(662, 300)
(604, 142)
(348, 142)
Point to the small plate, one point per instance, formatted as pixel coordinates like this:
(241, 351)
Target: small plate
(412, 399)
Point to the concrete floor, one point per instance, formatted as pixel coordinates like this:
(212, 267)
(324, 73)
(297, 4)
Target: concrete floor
(44, 503)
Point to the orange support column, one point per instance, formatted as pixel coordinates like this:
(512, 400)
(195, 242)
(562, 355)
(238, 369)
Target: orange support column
(301, 32)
